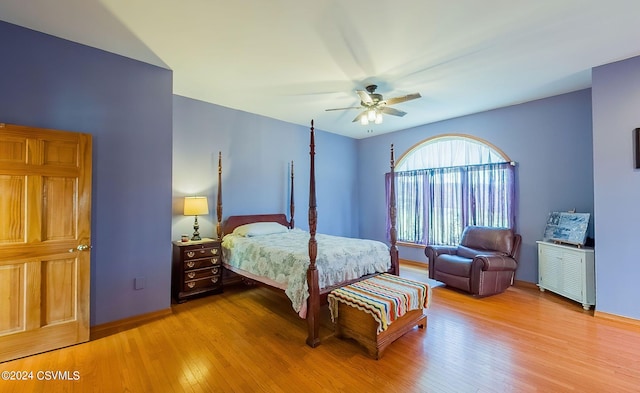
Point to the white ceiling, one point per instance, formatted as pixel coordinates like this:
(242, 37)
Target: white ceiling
(292, 59)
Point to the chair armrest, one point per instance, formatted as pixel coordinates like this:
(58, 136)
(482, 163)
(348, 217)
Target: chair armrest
(432, 253)
(495, 262)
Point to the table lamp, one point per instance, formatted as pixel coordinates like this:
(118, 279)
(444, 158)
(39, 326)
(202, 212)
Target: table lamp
(195, 206)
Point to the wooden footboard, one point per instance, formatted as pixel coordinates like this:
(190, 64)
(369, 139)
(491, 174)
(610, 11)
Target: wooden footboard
(393, 234)
(313, 302)
(315, 295)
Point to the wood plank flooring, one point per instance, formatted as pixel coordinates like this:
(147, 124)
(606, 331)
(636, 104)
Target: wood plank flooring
(248, 339)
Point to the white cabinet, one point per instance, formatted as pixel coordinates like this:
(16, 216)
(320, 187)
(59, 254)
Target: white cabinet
(568, 271)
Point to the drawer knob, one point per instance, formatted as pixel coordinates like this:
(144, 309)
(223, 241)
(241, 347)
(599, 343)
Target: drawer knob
(191, 284)
(214, 279)
(191, 275)
(191, 264)
(191, 254)
(214, 261)
(214, 251)
(214, 270)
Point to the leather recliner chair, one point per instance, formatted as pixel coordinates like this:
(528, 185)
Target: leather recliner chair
(483, 264)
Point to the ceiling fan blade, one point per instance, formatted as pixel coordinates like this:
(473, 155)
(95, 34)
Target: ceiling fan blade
(341, 109)
(393, 111)
(365, 97)
(397, 100)
(359, 116)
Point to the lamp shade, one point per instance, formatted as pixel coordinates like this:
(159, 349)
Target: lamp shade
(195, 206)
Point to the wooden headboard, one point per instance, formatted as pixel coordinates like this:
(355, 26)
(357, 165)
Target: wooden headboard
(233, 222)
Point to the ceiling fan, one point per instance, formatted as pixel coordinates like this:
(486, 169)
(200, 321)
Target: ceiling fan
(374, 105)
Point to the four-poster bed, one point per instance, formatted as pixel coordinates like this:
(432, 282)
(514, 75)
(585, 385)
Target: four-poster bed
(260, 254)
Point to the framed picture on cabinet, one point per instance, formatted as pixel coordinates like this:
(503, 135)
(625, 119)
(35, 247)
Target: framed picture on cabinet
(567, 227)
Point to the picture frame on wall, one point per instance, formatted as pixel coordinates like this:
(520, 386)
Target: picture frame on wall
(636, 147)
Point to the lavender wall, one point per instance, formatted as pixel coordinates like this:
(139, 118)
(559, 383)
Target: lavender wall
(126, 106)
(256, 152)
(616, 98)
(551, 141)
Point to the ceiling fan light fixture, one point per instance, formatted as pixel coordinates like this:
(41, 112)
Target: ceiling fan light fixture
(371, 114)
(373, 106)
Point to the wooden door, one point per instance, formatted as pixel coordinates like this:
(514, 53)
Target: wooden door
(45, 237)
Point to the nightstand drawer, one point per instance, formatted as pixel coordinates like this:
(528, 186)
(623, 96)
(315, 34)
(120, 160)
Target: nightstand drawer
(201, 263)
(200, 253)
(208, 282)
(202, 273)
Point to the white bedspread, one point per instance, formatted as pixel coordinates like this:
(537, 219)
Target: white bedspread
(284, 258)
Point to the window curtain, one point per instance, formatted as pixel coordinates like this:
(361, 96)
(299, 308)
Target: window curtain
(410, 208)
(435, 205)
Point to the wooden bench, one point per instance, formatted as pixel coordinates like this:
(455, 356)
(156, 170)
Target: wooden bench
(377, 311)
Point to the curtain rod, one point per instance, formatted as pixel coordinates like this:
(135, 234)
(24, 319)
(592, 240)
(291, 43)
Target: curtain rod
(512, 163)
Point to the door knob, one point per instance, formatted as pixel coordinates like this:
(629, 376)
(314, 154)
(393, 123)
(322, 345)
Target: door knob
(81, 247)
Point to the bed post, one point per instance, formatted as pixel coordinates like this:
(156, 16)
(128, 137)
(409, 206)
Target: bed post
(313, 302)
(219, 205)
(393, 250)
(291, 204)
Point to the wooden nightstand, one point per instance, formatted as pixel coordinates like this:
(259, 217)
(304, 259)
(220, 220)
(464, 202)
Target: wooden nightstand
(197, 269)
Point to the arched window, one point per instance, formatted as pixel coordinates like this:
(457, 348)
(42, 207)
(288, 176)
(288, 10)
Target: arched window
(446, 183)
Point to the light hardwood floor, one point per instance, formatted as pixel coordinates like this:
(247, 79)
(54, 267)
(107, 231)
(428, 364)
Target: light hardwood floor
(249, 340)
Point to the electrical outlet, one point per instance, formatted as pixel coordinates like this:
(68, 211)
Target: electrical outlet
(138, 283)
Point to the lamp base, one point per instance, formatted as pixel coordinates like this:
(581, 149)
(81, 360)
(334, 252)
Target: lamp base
(196, 234)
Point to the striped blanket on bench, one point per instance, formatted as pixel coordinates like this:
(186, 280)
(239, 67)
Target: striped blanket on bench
(385, 297)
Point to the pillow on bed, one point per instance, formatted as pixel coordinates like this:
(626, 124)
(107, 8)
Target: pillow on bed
(259, 228)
